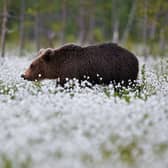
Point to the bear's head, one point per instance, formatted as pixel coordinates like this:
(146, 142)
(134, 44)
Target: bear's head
(38, 69)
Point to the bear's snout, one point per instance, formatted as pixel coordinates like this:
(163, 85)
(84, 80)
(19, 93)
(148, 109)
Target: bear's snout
(22, 76)
(26, 77)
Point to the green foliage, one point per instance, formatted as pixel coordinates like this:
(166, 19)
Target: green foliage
(9, 90)
(161, 148)
(127, 152)
(6, 162)
(137, 90)
(98, 35)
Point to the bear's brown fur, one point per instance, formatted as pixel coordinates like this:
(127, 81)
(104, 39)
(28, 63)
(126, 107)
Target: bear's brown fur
(103, 63)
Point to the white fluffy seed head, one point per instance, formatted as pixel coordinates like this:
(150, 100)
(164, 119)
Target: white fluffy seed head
(58, 79)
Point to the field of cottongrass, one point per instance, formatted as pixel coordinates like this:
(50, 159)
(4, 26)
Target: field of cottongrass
(43, 126)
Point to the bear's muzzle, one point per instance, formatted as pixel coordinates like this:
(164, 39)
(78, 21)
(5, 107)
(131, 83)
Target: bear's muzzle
(22, 76)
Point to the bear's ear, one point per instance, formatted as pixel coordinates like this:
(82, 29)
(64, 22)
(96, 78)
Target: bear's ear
(41, 51)
(48, 54)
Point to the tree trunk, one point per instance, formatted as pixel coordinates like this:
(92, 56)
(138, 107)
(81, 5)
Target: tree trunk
(145, 28)
(50, 37)
(130, 21)
(91, 22)
(4, 27)
(152, 32)
(81, 22)
(64, 18)
(152, 35)
(22, 18)
(115, 22)
(162, 42)
(37, 31)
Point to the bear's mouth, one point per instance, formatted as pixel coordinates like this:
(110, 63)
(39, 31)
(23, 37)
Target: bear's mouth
(28, 78)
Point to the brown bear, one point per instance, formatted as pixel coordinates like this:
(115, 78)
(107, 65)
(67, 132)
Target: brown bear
(99, 64)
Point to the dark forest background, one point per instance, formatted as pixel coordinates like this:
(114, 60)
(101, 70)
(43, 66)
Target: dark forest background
(140, 25)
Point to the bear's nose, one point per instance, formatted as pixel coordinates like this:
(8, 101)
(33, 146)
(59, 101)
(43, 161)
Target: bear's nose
(23, 76)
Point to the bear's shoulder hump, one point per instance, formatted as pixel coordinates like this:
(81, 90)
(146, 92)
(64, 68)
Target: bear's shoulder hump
(71, 47)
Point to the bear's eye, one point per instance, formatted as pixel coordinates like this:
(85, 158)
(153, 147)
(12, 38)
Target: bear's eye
(31, 66)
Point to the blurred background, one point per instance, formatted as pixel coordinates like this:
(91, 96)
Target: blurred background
(139, 25)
